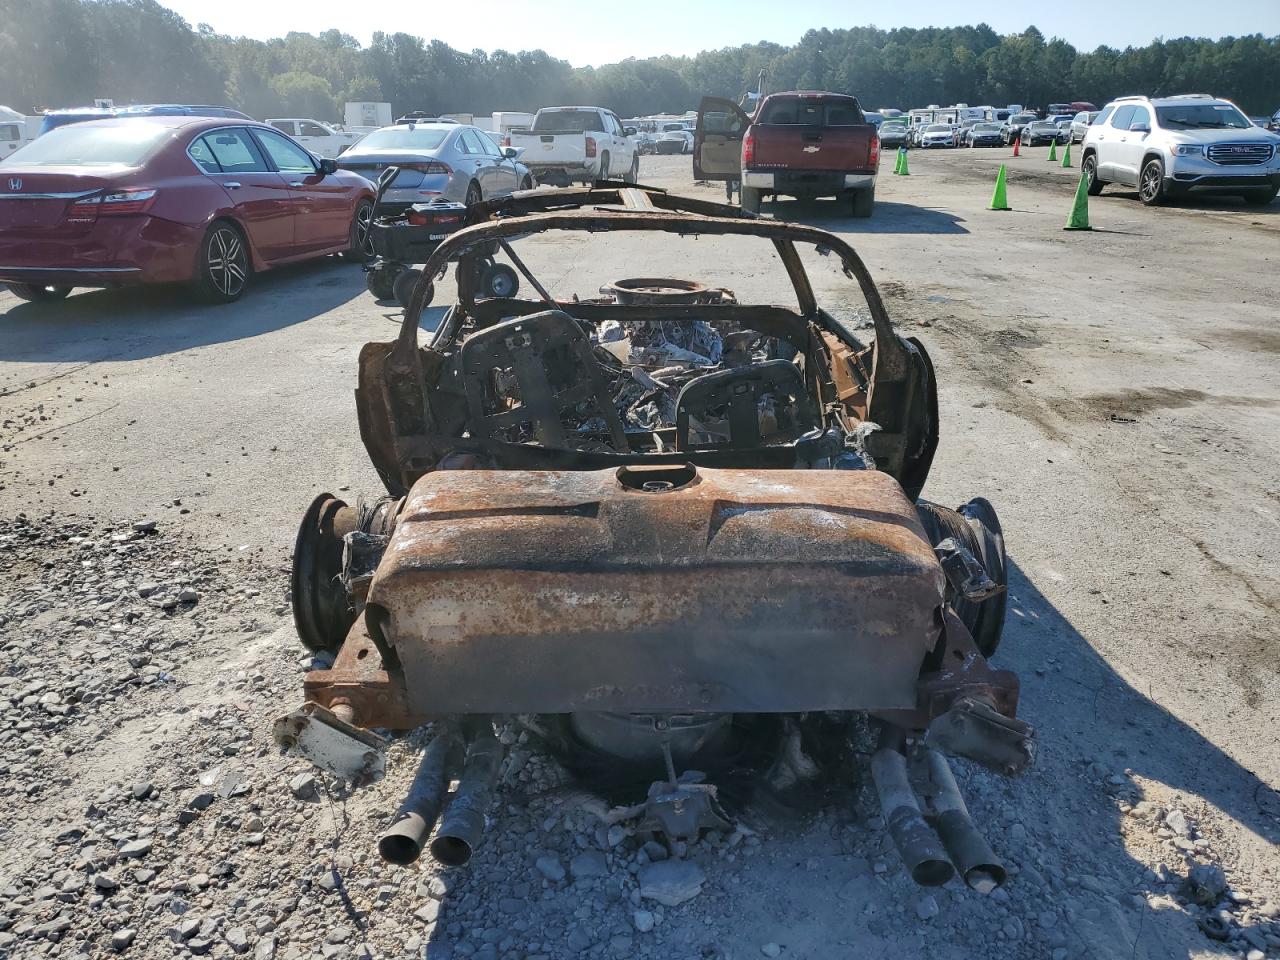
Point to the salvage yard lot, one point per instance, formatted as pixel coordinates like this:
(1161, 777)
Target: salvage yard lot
(1115, 393)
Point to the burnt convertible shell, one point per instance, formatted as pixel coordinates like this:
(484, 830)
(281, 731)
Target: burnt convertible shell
(647, 528)
(734, 590)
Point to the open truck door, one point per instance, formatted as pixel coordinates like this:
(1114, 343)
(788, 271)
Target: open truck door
(717, 140)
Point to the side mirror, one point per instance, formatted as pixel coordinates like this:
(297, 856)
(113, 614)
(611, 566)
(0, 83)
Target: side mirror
(1139, 127)
(510, 152)
(328, 166)
(629, 131)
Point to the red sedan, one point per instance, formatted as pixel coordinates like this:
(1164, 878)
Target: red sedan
(171, 199)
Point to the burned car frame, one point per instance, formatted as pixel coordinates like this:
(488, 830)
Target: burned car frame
(638, 524)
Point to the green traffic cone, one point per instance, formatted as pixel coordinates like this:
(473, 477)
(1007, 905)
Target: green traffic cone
(998, 199)
(1079, 219)
(897, 163)
(1066, 154)
(1053, 151)
(904, 171)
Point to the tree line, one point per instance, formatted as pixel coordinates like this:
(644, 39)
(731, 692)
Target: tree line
(60, 53)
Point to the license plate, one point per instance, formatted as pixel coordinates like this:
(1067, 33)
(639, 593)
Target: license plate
(548, 146)
(436, 236)
(30, 213)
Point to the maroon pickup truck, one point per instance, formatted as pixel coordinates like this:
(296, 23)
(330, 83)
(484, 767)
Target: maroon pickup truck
(798, 144)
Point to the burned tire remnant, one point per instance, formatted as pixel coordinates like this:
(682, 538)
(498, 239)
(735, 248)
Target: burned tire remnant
(660, 534)
(976, 527)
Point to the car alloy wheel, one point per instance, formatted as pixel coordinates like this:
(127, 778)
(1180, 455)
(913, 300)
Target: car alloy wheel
(227, 262)
(1151, 183)
(364, 238)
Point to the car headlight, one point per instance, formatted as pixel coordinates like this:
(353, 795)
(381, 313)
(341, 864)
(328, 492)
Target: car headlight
(1188, 150)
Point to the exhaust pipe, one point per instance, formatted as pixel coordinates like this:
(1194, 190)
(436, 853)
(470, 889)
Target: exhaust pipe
(463, 822)
(969, 850)
(919, 847)
(403, 841)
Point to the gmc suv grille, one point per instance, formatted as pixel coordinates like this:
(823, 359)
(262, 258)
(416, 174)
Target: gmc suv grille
(1239, 154)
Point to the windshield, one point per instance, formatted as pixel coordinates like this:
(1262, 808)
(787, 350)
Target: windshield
(125, 144)
(667, 128)
(937, 128)
(821, 113)
(1023, 118)
(987, 127)
(567, 121)
(404, 138)
(1043, 125)
(1201, 116)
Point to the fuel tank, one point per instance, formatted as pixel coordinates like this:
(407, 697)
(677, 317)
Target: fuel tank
(663, 589)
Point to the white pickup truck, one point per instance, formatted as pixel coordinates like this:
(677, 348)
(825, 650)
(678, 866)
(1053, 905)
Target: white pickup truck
(578, 144)
(317, 136)
(16, 130)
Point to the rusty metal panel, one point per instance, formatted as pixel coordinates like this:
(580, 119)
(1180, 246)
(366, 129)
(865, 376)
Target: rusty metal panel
(781, 590)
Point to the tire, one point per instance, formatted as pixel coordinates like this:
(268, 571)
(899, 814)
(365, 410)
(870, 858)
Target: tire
(381, 280)
(402, 287)
(864, 201)
(223, 269)
(633, 175)
(36, 293)
(749, 199)
(604, 167)
(474, 195)
(499, 280)
(361, 250)
(1089, 167)
(1259, 198)
(1151, 183)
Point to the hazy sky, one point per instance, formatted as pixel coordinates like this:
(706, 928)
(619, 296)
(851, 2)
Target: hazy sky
(592, 33)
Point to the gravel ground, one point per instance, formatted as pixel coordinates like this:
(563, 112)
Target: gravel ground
(1101, 390)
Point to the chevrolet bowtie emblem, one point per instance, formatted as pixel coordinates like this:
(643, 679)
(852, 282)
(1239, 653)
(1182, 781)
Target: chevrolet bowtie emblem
(812, 149)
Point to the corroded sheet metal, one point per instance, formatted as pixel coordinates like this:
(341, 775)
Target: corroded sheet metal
(531, 591)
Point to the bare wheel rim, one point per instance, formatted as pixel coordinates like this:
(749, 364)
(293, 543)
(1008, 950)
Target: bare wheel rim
(1090, 169)
(364, 242)
(227, 263)
(1150, 182)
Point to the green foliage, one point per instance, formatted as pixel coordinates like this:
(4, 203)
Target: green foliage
(61, 53)
(303, 95)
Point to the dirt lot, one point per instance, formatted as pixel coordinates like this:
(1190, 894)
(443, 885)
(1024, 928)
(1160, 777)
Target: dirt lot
(1116, 394)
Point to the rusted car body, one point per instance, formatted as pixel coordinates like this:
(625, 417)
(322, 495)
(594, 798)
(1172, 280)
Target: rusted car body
(641, 522)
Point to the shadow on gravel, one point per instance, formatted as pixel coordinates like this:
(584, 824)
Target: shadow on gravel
(1194, 201)
(1099, 736)
(136, 323)
(889, 217)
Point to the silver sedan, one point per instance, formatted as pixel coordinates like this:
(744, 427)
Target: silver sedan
(450, 160)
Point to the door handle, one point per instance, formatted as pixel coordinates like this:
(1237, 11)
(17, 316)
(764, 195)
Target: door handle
(232, 184)
(296, 183)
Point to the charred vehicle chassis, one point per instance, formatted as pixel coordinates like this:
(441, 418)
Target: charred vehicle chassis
(644, 526)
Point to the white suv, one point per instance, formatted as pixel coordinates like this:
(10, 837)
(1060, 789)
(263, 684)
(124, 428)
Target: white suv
(1170, 146)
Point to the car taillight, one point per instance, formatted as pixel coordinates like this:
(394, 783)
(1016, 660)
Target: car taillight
(116, 203)
(749, 147)
(591, 147)
(433, 166)
(426, 218)
(873, 153)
